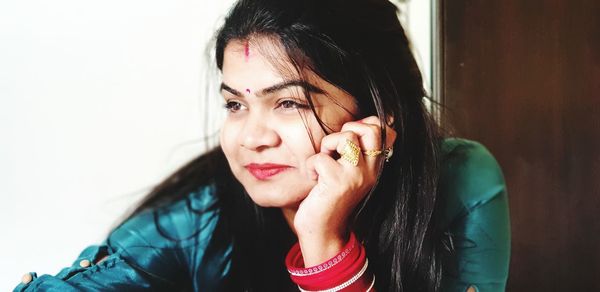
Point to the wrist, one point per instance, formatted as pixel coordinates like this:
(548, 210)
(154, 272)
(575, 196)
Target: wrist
(346, 271)
(319, 248)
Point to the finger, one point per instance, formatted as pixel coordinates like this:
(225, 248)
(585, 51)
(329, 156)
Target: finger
(374, 120)
(390, 133)
(369, 135)
(311, 172)
(389, 121)
(346, 144)
(329, 143)
(323, 167)
(335, 142)
(350, 151)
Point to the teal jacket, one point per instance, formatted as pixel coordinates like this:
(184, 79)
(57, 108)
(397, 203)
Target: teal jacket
(141, 255)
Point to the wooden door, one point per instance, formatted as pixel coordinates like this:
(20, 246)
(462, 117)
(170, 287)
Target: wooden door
(523, 78)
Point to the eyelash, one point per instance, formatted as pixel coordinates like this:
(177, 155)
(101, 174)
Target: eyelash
(231, 105)
(296, 104)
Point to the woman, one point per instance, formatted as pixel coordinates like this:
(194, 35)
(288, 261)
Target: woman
(327, 158)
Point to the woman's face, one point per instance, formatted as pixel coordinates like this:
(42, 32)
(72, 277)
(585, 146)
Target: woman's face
(266, 136)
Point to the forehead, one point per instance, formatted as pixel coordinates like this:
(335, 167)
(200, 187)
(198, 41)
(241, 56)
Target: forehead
(260, 61)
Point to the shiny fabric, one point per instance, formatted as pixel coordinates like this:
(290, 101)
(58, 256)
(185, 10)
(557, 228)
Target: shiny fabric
(476, 217)
(167, 250)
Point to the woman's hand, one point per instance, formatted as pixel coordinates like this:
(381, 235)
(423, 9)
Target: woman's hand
(321, 221)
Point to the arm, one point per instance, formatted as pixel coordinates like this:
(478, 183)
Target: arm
(112, 274)
(476, 219)
(321, 220)
(159, 249)
(105, 267)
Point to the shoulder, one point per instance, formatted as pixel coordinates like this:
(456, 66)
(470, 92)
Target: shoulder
(470, 176)
(476, 218)
(173, 223)
(160, 249)
(170, 238)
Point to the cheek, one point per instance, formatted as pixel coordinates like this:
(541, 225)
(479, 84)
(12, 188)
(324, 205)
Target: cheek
(335, 118)
(228, 140)
(297, 137)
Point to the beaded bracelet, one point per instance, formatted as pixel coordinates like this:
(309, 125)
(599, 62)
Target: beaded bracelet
(346, 271)
(294, 259)
(345, 284)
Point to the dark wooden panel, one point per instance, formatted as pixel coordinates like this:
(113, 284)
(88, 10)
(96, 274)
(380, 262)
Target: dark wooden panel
(523, 77)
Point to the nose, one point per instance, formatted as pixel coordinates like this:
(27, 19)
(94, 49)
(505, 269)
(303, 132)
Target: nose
(258, 133)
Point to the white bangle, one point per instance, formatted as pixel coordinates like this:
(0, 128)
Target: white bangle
(322, 267)
(372, 284)
(347, 283)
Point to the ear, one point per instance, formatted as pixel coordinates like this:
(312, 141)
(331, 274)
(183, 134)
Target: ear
(389, 120)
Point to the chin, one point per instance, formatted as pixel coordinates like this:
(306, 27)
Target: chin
(275, 200)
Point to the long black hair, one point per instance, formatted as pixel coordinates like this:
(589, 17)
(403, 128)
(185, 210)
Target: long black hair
(360, 47)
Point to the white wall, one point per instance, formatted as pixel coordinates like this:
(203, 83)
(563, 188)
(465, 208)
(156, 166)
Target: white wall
(98, 101)
(418, 25)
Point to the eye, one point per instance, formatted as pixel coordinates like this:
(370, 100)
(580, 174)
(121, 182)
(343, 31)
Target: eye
(233, 106)
(292, 104)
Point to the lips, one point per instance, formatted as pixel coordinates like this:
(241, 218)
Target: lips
(265, 171)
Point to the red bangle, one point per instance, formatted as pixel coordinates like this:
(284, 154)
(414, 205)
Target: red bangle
(360, 282)
(347, 271)
(295, 262)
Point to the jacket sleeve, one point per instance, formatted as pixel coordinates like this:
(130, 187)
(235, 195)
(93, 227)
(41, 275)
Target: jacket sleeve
(158, 249)
(476, 219)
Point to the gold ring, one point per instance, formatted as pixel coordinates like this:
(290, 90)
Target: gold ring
(372, 153)
(351, 152)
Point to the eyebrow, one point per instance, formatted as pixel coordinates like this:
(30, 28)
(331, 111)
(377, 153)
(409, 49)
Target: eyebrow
(277, 87)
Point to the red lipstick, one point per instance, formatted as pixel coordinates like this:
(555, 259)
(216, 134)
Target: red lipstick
(264, 171)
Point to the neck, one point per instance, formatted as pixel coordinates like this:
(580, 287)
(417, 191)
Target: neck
(289, 214)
